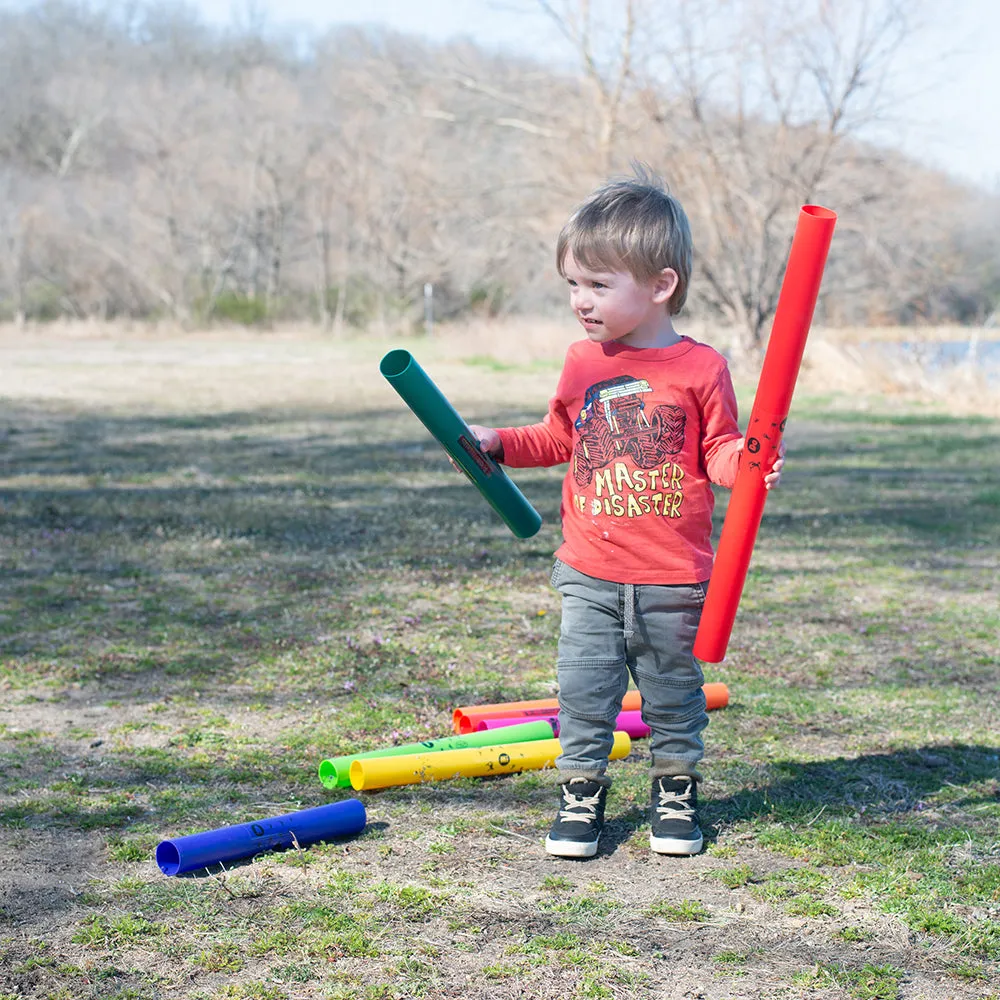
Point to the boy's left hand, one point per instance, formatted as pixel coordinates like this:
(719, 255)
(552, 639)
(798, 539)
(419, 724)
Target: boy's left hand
(774, 476)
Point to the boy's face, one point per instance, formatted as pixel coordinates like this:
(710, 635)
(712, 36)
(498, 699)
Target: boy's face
(614, 306)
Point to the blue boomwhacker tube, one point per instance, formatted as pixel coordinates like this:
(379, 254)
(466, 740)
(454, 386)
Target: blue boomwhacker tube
(187, 854)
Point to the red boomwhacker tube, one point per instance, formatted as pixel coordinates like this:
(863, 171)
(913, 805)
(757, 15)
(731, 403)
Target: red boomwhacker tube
(782, 359)
(467, 717)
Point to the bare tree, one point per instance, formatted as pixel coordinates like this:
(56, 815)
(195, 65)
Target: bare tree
(607, 54)
(151, 164)
(761, 106)
(16, 213)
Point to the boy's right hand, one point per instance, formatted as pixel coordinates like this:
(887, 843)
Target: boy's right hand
(489, 440)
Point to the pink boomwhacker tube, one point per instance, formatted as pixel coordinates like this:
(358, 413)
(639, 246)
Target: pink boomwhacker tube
(627, 722)
(782, 359)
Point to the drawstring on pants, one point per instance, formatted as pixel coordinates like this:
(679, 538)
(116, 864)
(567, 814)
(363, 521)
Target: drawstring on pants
(628, 625)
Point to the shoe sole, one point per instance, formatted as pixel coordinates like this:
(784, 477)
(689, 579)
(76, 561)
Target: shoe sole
(570, 848)
(675, 846)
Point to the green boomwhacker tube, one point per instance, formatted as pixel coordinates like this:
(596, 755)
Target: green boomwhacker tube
(336, 771)
(438, 415)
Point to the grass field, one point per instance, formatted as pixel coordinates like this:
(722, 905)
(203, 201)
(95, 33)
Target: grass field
(228, 555)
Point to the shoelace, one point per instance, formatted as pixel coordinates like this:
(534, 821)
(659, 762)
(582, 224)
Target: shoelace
(676, 804)
(588, 803)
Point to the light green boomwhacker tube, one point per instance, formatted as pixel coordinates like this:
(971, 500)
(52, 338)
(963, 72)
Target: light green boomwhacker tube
(438, 415)
(336, 771)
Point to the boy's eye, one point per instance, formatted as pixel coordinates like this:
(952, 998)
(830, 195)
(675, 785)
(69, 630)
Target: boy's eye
(599, 284)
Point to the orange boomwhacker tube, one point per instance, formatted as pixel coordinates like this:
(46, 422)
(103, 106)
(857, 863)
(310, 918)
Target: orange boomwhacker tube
(467, 717)
(796, 302)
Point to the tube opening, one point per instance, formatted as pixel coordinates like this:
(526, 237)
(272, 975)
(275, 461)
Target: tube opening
(819, 212)
(357, 774)
(168, 858)
(328, 773)
(395, 363)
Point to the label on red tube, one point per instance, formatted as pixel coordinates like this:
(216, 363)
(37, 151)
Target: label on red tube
(760, 447)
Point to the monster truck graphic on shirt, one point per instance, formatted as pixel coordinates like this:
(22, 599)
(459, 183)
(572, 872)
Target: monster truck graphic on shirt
(613, 423)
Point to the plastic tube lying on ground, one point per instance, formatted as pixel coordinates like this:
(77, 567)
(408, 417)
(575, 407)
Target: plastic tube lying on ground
(627, 722)
(467, 717)
(230, 843)
(792, 317)
(335, 772)
(527, 709)
(489, 725)
(434, 411)
(477, 762)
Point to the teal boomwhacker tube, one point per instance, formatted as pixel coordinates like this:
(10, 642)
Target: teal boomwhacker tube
(336, 771)
(438, 415)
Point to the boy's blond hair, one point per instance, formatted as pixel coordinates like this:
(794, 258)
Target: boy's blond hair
(634, 225)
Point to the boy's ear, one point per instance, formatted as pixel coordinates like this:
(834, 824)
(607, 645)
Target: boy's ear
(664, 285)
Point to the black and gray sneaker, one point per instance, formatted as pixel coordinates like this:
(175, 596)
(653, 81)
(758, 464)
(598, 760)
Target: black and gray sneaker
(578, 826)
(673, 816)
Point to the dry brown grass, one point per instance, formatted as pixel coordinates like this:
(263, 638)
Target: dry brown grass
(303, 366)
(839, 362)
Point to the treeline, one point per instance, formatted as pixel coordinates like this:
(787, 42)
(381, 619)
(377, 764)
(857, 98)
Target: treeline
(153, 166)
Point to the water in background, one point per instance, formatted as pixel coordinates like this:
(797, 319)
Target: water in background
(942, 356)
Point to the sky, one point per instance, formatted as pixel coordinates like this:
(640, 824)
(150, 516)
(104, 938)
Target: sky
(951, 71)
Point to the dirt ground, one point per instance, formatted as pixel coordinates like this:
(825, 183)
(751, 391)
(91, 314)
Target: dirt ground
(49, 877)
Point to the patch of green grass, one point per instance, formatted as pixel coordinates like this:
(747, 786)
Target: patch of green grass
(718, 850)
(561, 942)
(935, 921)
(730, 957)
(132, 848)
(592, 988)
(968, 971)
(502, 970)
(114, 932)
(343, 884)
(686, 911)
(855, 934)
(869, 982)
(273, 943)
(558, 883)
(250, 991)
(809, 906)
(581, 908)
(789, 882)
(226, 956)
(411, 902)
(352, 942)
(732, 877)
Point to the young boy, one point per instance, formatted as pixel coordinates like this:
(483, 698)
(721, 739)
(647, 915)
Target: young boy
(647, 420)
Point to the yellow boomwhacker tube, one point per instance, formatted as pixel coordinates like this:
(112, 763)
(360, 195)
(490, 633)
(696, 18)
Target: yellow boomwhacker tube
(472, 762)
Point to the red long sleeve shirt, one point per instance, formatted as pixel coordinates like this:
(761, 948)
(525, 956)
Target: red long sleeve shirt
(646, 431)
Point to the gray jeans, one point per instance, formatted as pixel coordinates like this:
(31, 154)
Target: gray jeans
(611, 630)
